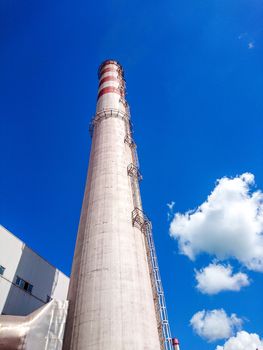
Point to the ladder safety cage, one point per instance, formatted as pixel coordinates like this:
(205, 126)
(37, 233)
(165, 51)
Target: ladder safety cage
(125, 103)
(134, 171)
(135, 176)
(129, 141)
(141, 221)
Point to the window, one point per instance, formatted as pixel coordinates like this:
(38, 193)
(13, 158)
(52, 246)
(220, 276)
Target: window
(24, 284)
(19, 282)
(2, 270)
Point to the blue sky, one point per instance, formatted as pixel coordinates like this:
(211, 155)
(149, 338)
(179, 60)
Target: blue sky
(194, 79)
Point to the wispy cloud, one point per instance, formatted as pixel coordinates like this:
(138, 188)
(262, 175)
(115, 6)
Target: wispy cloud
(248, 40)
(242, 35)
(170, 212)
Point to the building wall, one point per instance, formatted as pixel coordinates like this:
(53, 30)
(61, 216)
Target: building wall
(20, 260)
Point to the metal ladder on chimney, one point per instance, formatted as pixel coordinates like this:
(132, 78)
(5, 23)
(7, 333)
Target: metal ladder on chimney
(140, 220)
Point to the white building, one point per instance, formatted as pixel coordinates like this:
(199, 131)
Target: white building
(27, 281)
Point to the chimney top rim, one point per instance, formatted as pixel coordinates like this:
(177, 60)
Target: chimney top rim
(110, 61)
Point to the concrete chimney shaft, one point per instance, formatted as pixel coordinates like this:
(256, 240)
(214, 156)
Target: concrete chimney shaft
(110, 296)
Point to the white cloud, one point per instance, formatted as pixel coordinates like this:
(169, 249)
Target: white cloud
(243, 341)
(216, 278)
(228, 224)
(215, 324)
(251, 45)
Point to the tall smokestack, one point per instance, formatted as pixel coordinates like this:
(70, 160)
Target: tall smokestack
(115, 296)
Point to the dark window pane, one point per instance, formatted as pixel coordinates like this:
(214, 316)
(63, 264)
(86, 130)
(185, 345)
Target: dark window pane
(18, 281)
(2, 270)
(24, 284)
(29, 288)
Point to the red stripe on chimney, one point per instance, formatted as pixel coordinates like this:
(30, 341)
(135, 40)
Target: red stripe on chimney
(109, 69)
(108, 78)
(107, 90)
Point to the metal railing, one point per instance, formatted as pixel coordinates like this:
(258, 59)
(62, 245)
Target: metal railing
(105, 114)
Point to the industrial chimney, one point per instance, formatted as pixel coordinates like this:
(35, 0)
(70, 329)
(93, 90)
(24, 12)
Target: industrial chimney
(116, 298)
(175, 343)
